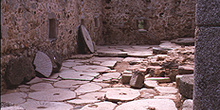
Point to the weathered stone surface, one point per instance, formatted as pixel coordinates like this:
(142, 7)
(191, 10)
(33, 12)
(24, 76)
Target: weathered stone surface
(150, 84)
(154, 71)
(87, 39)
(184, 41)
(157, 104)
(137, 79)
(41, 86)
(178, 80)
(15, 98)
(187, 105)
(160, 50)
(121, 94)
(53, 95)
(83, 101)
(167, 90)
(19, 70)
(206, 76)
(170, 96)
(100, 106)
(129, 59)
(12, 108)
(68, 83)
(169, 45)
(207, 13)
(93, 95)
(186, 86)
(108, 76)
(185, 70)
(142, 54)
(111, 53)
(43, 64)
(90, 87)
(35, 80)
(91, 68)
(70, 64)
(36, 105)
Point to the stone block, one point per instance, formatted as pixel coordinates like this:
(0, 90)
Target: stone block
(126, 78)
(186, 86)
(208, 13)
(19, 70)
(206, 81)
(159, 79)
(185, 70)
(188, 104)
(137, 79)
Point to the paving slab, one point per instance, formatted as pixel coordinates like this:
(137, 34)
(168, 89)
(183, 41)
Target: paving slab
(68, 83)
(100, 106)
(159, 79)
(52, 95)
(122, 94)
(82, 101)
(151, 84)
(90, 87)
(111, 53)
(91, 68)
(129, 59)
(35, 80)
(85, 76)
(170, 96)
(142, 54)
(184, 41)
(169, 45)
(12, 108)
(15, 98)
(147, 104)
(108, 76)
(167, 90)
(41, 86)
(70, 64)
(43, 64)
(109, 64)
(39, 105)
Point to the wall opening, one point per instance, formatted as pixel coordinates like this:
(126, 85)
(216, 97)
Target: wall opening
(141, 25)
(96, 22)
(52, 29)
(82, 22)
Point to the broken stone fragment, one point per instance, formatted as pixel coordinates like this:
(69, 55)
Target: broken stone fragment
(160, 50)
(137, 79)
(19, 70)
(150, 84)
(159, 79)
(126, 78)
(186, 86)
(188, 104)
(155, 71)
(43, 64)
(184, 41)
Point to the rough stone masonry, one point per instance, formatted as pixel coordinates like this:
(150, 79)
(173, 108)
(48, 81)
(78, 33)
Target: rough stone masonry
(207, 56)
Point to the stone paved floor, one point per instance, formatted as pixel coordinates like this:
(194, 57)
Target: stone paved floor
(92, 82)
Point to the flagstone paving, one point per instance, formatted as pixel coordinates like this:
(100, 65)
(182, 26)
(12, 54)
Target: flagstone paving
(90, 82)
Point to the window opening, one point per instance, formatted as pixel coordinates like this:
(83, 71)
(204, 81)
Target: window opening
(96, 22)
(52, 29)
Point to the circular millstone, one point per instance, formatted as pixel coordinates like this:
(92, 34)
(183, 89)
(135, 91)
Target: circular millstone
(53, 95)
(68, 83)
(78, 75)
(87, 39)
(122, 94)
(91, 68)
(90, 87)
(41, 86)
(15, 98)
(148, 104)
(42, 105)
(43, 64)
(100, 106)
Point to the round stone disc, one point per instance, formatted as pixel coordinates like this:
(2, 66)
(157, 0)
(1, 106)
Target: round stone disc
(43, 64)
(53, 95)
(90, 87)
(42, 105)
(68, 83)
(41, 86)
(122, 94)
(87, 38)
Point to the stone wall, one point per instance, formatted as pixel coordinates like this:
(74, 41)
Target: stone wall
(31, 25)
(164, 19)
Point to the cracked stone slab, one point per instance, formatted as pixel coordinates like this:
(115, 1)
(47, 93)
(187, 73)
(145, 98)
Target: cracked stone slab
(141, 54)
(108, 76)
(148, 104)
(41, 86)
(170, 96)
(86, 76)
(122, 94)
(15, 98)
(68, 83)
(102, 59)
(167, 90)
(169, 45)
(91, 68)
(43, 64)
(39, 105)
(90, 87)
(129, 59)
(100, 106)
(53, 95)
(12, 108)
(150, 84)
(111, 53)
